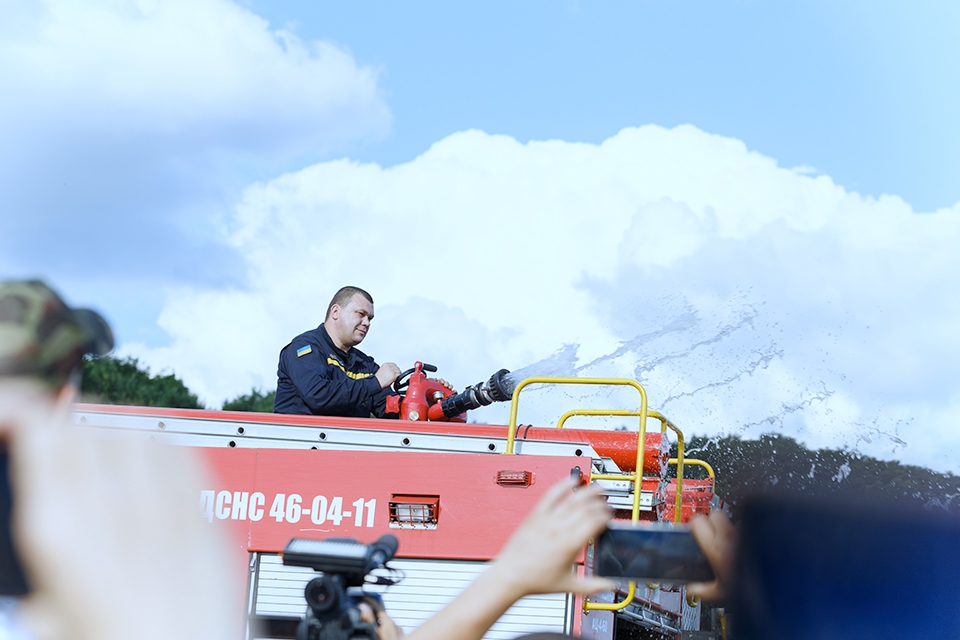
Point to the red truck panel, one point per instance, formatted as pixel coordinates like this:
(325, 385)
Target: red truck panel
(278, 494)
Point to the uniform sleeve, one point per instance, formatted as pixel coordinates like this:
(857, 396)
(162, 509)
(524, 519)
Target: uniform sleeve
(380, 404)
(320, 390)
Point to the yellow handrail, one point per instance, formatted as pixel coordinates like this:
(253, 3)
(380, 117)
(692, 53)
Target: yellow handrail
(612, 606)
(515, 400)
(638, 472)
(641, 435)
(598, 412)
(696, 463)
(665, 424)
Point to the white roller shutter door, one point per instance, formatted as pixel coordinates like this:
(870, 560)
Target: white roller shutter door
(427, 587)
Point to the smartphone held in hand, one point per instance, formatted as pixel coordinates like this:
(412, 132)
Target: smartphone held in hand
(642, 552)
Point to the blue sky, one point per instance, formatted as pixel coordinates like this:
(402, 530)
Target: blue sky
(751, 207)
(862, 91)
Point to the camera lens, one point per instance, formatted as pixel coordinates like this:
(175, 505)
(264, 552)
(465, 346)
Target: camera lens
(322, 595)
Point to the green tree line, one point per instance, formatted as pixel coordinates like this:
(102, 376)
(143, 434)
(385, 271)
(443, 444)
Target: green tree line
(777, 464)
(124, 381)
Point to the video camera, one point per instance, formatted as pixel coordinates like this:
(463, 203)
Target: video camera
(333, 596)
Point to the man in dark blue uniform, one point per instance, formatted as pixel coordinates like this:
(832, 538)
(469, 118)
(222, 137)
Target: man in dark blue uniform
(322, 373)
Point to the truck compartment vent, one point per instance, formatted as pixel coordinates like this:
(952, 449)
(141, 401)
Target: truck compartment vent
(414, 512)
(515, 478)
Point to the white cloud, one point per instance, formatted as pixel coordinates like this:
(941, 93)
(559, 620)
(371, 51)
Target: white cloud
(745, 296)
(203, 69)
(663, 232)
(128, 126)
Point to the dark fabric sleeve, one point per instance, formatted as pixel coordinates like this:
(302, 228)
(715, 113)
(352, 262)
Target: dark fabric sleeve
(380, 404)
(323, 390)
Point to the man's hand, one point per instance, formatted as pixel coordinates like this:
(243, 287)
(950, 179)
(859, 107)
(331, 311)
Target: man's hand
(387, 374)
(446, 384)
(717, 538)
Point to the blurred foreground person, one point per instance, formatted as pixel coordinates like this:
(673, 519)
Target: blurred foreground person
(103, 529)
(803, 568)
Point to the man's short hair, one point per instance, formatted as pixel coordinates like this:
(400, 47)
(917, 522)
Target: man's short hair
(42, 337)
(342, 297)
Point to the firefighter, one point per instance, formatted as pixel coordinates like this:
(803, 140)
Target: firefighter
(321, 372)
(97, 540)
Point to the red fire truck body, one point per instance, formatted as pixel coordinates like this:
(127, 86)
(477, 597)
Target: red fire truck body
(452, 493)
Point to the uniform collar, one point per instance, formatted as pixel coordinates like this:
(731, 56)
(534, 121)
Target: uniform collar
(344, 356)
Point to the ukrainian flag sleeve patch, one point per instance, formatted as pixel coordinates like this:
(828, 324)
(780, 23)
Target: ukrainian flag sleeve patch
(302, 351)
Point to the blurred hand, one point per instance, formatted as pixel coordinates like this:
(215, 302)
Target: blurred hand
(109, 533)
(717, 538)
(538, 558)
(446, 384)
(387, 374)
(372, 612)
(539, 555)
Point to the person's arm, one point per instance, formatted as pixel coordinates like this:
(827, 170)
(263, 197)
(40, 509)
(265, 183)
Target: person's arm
(538, 558)
(380, 404)
(325, 395)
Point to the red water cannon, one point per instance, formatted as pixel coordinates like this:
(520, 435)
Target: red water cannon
(427, 399)
(420, 397)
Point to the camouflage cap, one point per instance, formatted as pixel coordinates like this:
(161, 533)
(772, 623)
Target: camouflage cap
(40, 336)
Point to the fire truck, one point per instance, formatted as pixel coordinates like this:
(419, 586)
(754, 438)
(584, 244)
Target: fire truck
(451, 492)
